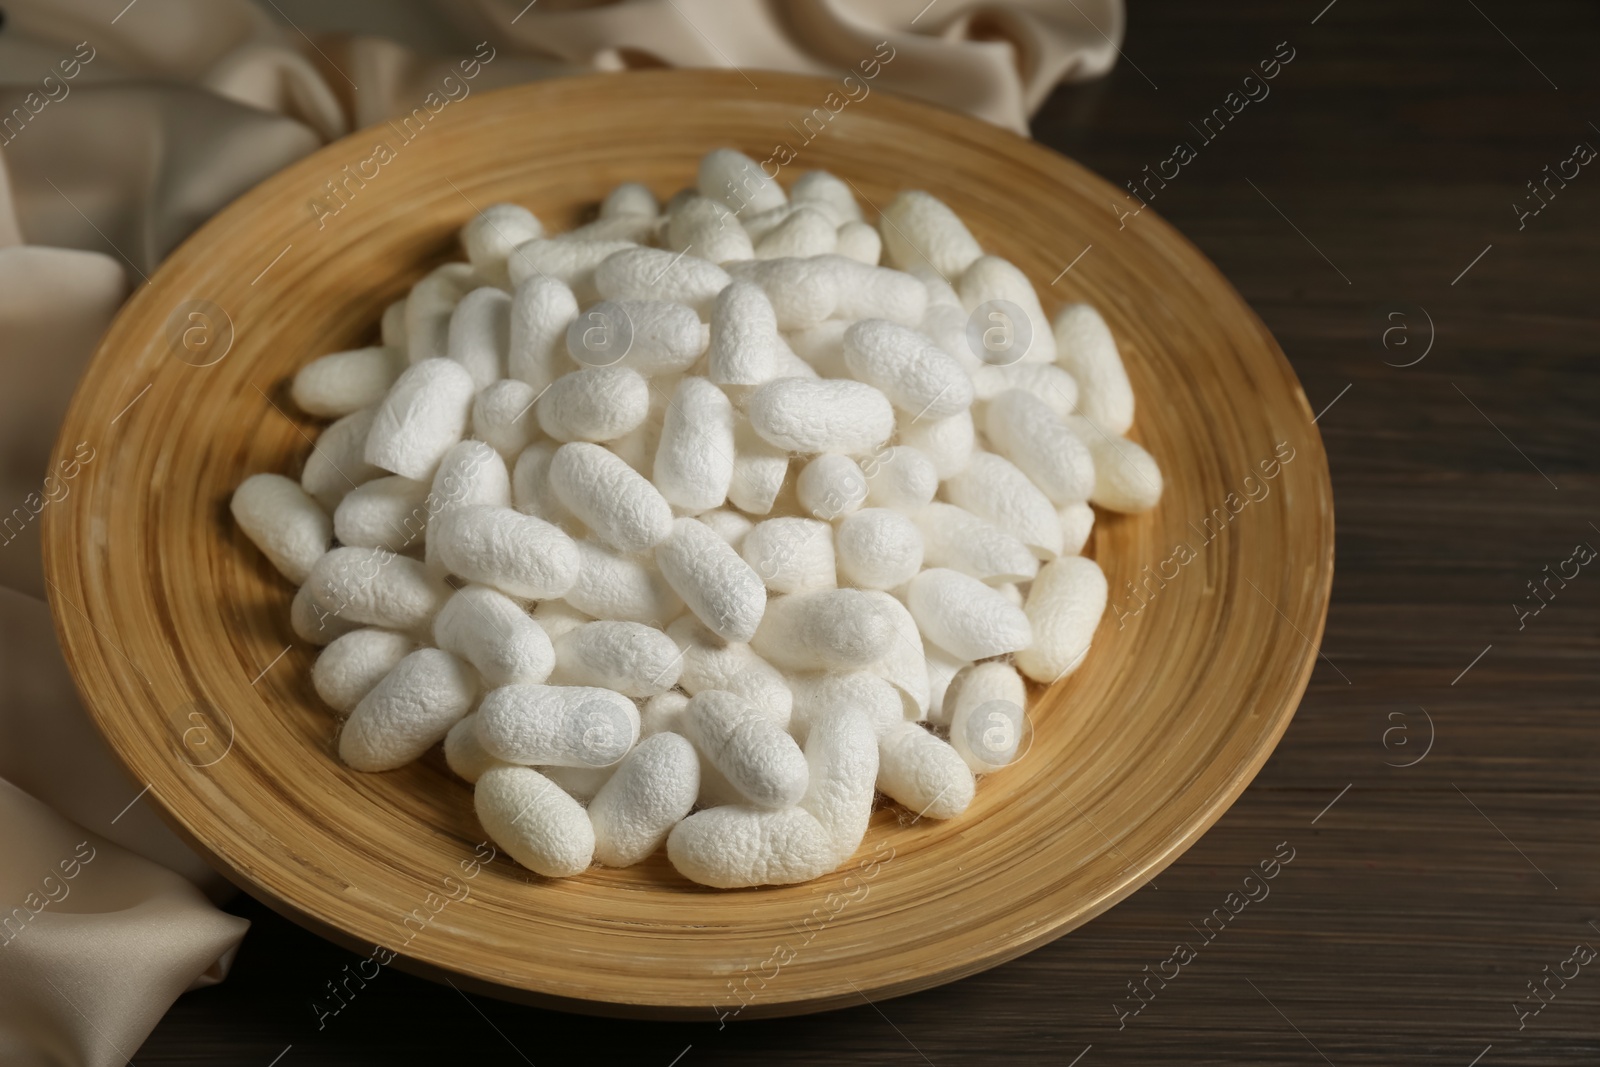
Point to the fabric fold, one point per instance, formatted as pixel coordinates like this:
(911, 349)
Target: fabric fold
(123, 127)
(130, 170)
(95, 942)
(50, 749)
(995, 60)
(54, 305)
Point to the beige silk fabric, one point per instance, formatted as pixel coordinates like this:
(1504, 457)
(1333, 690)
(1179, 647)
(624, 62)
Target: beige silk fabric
(123, 127)
(96, 941)
(995, 60)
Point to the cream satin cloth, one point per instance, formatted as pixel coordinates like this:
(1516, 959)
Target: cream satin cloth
(164, 111)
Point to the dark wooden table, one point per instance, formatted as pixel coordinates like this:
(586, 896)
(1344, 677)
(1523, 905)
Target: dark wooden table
(1368, 197)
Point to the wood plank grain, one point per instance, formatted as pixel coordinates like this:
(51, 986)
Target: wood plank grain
(1406, 924)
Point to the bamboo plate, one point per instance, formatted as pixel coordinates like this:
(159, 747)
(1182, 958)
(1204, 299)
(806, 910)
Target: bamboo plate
(178, 630)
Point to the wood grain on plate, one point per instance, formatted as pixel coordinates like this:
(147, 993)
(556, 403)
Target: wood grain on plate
(174, 624)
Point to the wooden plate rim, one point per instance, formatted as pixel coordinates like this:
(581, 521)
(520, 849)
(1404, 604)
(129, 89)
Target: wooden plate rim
(80, 638)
